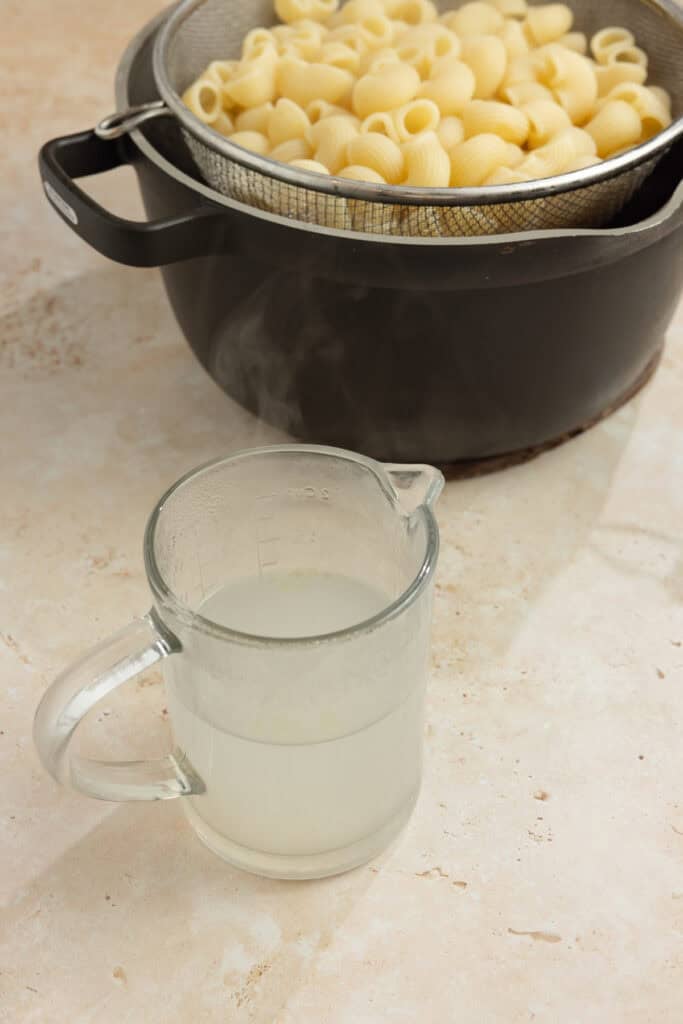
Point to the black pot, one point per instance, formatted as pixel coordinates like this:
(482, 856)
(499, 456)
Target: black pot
(438, 350)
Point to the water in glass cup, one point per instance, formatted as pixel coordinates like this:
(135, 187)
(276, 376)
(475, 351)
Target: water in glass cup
(306, 787)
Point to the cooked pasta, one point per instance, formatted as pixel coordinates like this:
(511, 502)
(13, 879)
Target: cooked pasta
(358, 172)
(525, 92)
(257, 142)
(562, 150)
(254, 119)
(662, 95)
(377, 60)
(450, 132)
(393, 92)
(482, 116)
(505, 176)
(317, 109)
(253, 83)
(302, 82)
(341, 55)
(287, 121)
(223, 124)
(607, 37)
(474, 19)
(577, 41)
(514, 39)
(474, 160)
(291, 149)
(381, 122)
(413, 12)
(654, 114)
(570, 77)
(221, 71)
(391, 87)
(381, 154)
(610, 75)
(487, 57)
(351, 36)
(294, 10)
(310, 165)
(254, 44)
(583, 161)
(416, 117)
(427, 162)
(616, 125)
(355, 10)
(548, 22)
(623, 53)
(203, 98)
(546, 118)
(330, 138)
(451, 89)
(511, 8)
(423, 47)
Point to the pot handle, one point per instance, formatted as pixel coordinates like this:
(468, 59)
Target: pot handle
(135, 243)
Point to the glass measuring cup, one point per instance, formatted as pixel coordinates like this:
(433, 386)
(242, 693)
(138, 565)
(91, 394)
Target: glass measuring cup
(292, 610)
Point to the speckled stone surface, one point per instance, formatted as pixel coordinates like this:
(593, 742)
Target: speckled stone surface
(541, 877)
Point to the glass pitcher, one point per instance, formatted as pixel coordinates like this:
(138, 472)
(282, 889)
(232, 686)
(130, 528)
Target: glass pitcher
(292, 612)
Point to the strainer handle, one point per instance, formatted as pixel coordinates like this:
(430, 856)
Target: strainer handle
(135, 243)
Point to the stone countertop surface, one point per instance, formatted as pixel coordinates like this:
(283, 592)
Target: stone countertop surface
(541, 877)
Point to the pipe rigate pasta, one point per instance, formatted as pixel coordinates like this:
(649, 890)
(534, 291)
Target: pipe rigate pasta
(513, 38)
(291, 149)
(203, 98)
(616, 126)
(257, 142)
(358, 172)
(511, 8)
(416, 117)
(548, 22)
(487, 57)
(330, 138)
(381, 122)
(474, 19)
(450, 132)
(610, 75)
(607, 37)
(310, 165)
(451, 89)
(427, 163)
(570, 77)
(371, 149)
(254, 119)
(577, 41)
(384, 90)
(481, 116)
(475, 159)
(546, 118)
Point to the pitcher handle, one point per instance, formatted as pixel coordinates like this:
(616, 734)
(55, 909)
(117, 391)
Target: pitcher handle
(125, 654)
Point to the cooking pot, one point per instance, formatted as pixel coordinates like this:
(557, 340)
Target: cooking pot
(472, 351)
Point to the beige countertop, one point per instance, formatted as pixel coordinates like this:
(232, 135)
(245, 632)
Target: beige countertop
(541, 877)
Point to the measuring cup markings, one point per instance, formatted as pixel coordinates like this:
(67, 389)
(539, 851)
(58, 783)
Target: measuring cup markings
(267, 537)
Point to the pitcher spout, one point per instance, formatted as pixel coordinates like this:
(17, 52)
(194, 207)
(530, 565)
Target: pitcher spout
(415, 485)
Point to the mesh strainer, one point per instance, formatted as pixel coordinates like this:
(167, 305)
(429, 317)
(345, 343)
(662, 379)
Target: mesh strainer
(199, 31)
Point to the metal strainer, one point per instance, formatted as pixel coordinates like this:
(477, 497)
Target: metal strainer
(199, 31)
